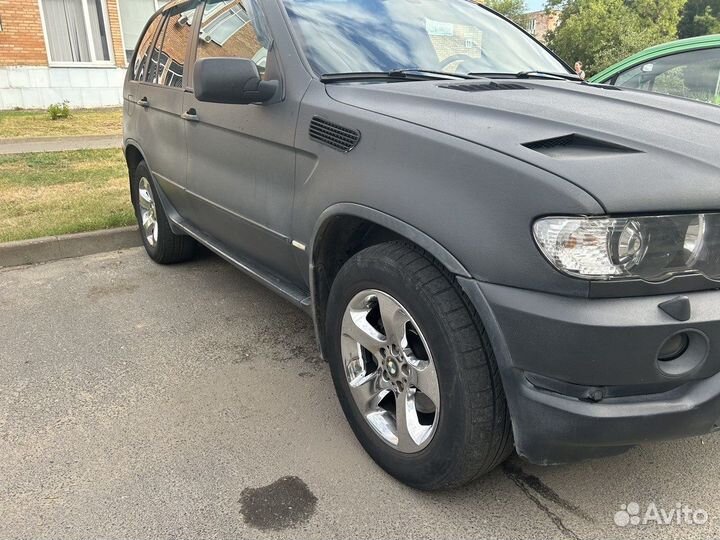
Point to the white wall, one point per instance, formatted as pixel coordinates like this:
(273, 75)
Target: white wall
(39, 87)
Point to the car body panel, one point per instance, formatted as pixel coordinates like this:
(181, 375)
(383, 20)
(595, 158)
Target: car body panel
(668, 141)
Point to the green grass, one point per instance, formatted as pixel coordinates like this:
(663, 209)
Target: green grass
(16, 124)
(63, 192)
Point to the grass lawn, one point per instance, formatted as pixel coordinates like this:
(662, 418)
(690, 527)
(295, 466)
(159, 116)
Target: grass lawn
(15, 124)
(63, 192)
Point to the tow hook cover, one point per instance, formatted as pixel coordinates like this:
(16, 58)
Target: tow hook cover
(678, 308)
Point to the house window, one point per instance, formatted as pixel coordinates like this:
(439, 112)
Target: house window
(134, 14)
(76, 30)
(532, 26)
(225, 26)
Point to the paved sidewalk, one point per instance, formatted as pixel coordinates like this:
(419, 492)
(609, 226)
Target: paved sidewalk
(58, 144)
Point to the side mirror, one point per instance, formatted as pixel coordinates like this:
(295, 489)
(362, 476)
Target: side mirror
(231, 80)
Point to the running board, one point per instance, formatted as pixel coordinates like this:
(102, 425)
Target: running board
(281, 286)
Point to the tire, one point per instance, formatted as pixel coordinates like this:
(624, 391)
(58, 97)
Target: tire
(162, 245)
(470, 429)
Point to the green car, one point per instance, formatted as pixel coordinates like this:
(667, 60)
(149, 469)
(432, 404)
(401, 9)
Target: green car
(688, 68)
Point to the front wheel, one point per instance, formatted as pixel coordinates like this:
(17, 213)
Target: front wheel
(413, 369)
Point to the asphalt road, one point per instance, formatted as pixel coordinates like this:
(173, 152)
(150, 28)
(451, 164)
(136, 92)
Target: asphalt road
(139, 401)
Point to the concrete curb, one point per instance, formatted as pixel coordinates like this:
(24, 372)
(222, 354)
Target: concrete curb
(53, 248)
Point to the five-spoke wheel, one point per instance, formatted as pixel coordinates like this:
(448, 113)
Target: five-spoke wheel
(390, 370)
(413, 369)
(148, 211)
(161, 243)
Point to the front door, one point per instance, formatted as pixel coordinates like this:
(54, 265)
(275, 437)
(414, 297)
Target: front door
(241, 159)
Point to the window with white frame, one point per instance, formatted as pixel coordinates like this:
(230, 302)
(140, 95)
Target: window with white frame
(224, 26)
(134, 14)
(76, 31)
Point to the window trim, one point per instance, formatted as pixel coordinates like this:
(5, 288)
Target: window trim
(86, 16)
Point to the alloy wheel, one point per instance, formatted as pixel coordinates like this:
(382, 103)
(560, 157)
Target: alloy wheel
(148, 211)
(390, 371)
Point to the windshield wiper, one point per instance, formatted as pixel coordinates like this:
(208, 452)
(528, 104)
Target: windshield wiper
(406, 74)
(443, 74)
(534, 74)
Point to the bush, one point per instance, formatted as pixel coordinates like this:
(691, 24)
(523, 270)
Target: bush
(59, 110)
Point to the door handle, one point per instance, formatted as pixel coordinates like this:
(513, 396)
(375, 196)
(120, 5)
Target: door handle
(143, 102)
(190, 116)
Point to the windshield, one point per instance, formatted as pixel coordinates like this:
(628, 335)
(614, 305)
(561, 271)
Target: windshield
(454, 36)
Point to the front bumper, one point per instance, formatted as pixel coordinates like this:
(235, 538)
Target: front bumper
(582, 376)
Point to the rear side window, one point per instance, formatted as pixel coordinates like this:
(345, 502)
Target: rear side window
(167, 64)
(144, 48)
(229, 29)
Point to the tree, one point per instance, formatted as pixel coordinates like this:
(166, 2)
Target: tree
(699, 18)
(602, 32)
(512, 9)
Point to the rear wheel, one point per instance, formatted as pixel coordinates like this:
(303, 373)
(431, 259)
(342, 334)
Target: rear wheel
(413, 369)
(162, 245)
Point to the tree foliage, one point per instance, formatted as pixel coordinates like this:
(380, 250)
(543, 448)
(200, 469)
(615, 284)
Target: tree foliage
(699, 17)
(602, 32)
(512, 9)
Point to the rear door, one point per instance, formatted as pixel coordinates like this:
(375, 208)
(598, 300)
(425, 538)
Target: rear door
(241, 158)
(159, 101)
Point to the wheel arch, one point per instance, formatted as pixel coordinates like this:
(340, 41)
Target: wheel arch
(356, 227)
(133, 157)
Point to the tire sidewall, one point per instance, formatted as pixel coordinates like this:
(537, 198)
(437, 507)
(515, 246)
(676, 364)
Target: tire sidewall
(438, 458)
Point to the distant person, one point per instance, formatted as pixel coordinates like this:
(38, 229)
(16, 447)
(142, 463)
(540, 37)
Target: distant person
(579, 70)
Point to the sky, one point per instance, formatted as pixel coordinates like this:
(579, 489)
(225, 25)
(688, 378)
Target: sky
(535, 5)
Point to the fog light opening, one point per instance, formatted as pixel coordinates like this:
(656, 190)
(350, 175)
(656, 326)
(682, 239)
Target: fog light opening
(674, 347)
(683, 353)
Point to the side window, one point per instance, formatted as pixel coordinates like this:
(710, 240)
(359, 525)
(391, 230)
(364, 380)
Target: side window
(144, 48)
(633, 78)
(694, 75)
(229, 29)
(167, 64)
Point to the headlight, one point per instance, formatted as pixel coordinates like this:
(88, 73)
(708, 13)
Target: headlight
(653, 248)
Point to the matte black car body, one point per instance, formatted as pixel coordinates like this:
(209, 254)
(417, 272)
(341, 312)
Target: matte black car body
(464, 174)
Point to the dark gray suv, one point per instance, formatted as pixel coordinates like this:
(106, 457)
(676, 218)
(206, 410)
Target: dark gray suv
(496, 255)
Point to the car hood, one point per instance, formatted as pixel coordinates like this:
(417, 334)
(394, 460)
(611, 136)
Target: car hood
(633, 151)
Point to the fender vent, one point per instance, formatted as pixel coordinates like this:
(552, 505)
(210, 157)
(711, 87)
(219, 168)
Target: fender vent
(484, 87)
(333, 135)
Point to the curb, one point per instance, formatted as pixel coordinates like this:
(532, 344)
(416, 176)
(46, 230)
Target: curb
(53, 248)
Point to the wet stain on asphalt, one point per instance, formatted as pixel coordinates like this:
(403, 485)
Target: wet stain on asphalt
(285, 503)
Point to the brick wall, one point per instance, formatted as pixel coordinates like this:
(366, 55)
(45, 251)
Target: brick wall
(539, 23)
(21, 42)
(116, 33)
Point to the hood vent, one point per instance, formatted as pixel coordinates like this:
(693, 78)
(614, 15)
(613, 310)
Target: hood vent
(484, 87)
(575, 146)
(333, 135)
